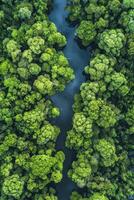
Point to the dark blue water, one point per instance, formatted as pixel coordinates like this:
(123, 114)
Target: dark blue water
(78, 59)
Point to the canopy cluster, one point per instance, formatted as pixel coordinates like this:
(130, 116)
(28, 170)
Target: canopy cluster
(32, 69)
(102, 127)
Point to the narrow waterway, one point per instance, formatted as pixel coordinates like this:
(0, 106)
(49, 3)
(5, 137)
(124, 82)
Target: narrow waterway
(78, 59)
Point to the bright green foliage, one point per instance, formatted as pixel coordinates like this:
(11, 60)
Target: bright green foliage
(81, 172)
(130, 121)
(9, 141)
(102, 129)
(131, 46)
(81, 132)
(119, 83)
(103, 185)
(82, 125)
(72, 141)
(24, 11)
(88, 91)
(76, 196)
(101, 67)
(43, 85)
(112, 42)
(6, 67)
(86, 32)
(38, 57)
(127, 21)
(13, 49)
(114, 6)
(31, 120)
(107, 116)
(32, 69)
(93, 9)
(51, 197)
(13, 186)
(104, 115)
(36, 44)
(6, 168)
(130, 116)
(55, 112)
(48, 195)
(75, 10)
(100, 14)
(107, 152)
(46, 134)
(128, 3)
(41, 165)
(98, 196)
(57, 38)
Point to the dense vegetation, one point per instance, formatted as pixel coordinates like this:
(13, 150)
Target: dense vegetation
(32, 68)
(103, 121)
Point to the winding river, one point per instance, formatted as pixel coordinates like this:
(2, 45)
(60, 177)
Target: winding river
(78, 59)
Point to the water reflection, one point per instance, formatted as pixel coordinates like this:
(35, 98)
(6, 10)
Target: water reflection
(78, 59)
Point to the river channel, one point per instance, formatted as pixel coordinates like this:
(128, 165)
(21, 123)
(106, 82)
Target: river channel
(78, 59)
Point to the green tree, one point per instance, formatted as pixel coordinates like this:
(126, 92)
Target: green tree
(112, 42)
(86, 32)
(13, 186)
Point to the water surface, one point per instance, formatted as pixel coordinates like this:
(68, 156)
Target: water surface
(78, 59)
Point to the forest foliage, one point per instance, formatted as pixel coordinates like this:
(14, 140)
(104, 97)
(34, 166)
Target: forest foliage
(33, 68)
(102, 132)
